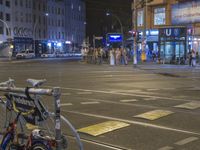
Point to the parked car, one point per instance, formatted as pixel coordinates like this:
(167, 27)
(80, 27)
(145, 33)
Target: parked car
(25, 54)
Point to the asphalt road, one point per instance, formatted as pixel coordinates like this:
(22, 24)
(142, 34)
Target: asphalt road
(93, 94)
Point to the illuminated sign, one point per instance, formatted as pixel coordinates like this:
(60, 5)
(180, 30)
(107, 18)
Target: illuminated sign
(114, 38)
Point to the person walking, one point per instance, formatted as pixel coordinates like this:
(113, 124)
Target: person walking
(193, 58)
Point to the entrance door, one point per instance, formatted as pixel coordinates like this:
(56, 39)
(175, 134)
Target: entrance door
(179, 52)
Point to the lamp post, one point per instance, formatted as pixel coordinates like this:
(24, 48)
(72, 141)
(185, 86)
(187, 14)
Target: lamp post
(144, 27)
(135, 37)
(34, 29)
(121, 26)
(9, 39)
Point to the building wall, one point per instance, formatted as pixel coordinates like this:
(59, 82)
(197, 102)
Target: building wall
(4, 10)
(45, 20)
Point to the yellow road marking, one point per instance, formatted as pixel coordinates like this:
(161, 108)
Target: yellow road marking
(155, 114)
(190, 105)
(102, 128)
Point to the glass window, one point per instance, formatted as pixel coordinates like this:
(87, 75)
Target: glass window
(1, 15)
(1, 30)
(159, 16)
(1, 1)
(8, 3)
(7, 17)
(16, 2)
(140, 18)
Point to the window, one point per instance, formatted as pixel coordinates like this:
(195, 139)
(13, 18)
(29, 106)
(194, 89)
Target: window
(1, 15)
(159, 16)
(7, 17)
(16, 2)
(1, 30)
(1, 2)
(21, 3)
(8, 3)
(140, 18)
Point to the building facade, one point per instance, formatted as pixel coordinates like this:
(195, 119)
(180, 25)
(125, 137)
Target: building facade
(172, 28)
(46, 26)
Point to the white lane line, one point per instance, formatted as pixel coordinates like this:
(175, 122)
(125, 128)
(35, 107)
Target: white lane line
(135, 122)
(166, 148)
(186, 141)
(128, 100)
(83, 93)
(66, 104)
(153, 89)
(120, 93)
(125, 94)
(89, 103)
(66, 94)
(150, 99)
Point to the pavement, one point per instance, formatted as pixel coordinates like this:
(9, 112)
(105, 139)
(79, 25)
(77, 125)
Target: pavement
(160, 103)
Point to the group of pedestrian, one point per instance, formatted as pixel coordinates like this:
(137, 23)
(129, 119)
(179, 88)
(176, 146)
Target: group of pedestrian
(118, 56)
(92, 55)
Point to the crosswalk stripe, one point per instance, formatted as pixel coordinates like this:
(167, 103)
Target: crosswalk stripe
(186, 141)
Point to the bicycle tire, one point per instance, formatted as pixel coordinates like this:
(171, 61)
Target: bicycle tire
(6, 141)
(39, 146)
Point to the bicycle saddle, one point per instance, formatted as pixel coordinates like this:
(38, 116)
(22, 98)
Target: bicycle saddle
(36, 83)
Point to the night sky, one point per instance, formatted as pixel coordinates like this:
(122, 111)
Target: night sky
(99, 24)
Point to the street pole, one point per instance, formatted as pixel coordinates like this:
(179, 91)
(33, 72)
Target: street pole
(135, 37)
(144, 29)
(121, 26)
(9, 38)
(34, 30)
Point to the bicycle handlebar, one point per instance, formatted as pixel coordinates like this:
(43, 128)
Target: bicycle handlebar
(31, 90)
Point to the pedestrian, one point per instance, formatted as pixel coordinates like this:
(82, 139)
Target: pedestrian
(112, 57)
(193, 58)
(190, 58)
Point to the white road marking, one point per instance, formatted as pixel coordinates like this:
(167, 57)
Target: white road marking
(186, 141)
(150, 99)
(65, 94)
(119, 93)
(89, 103)
(153, 89)
(84, 93)
(166, 148)
(66, 104)
(135, 122)
(128, 100)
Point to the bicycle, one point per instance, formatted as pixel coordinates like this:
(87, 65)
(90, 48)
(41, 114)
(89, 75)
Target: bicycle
(27, 107)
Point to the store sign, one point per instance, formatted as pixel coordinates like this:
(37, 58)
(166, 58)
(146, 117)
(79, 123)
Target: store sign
(114, 38)
(187, 12)
(172, 32)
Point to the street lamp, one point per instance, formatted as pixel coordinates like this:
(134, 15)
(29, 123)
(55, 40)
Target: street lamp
(9, 34)
(118, 19)
(34, 28)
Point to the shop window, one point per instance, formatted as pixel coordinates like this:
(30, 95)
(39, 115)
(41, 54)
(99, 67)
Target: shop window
(140, 18)
(159, 16)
